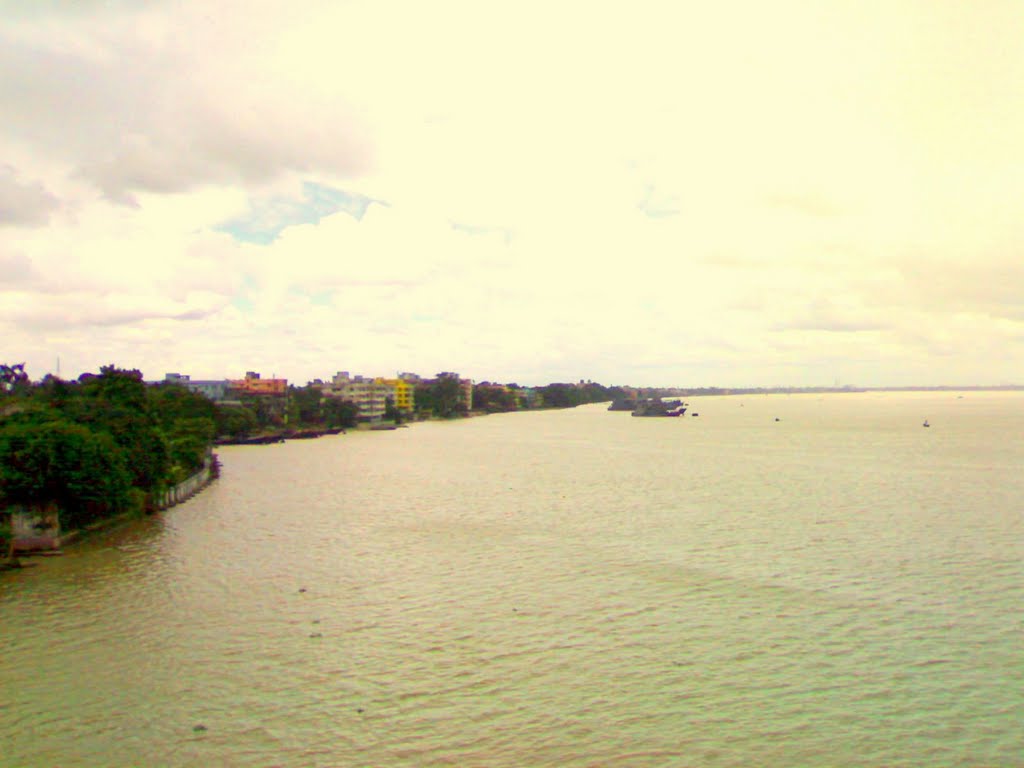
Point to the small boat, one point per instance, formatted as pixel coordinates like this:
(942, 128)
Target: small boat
(926, 424)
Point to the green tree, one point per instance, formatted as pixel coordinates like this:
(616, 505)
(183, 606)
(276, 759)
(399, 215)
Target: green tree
(116, 402)
(82, 473)
(571, 395)
(235, 420)
(493, 398)
(13, 378)
(171, 403)
(6, 539)
(305, 404)
(188, 442)
(442, 397)
(339, 413)
(97, 446)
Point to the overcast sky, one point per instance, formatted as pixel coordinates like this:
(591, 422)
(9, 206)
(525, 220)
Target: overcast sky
(651, 193)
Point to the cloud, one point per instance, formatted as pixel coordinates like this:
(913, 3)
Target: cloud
(823, 315)
(24, 203)
(76, 309)
(156, 99)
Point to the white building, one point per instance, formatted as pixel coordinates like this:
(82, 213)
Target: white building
(368, 395)
(216, 390)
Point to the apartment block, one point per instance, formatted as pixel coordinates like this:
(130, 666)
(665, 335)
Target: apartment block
(253, 384)
(367, 394)
(401, 393)
(215, 389)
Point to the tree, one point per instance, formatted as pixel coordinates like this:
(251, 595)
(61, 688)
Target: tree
(235, 420)
(116, 402)
(97, 446)
(339, 413)
(56, 463)
(305, 404)
(7, 540)
(171, 403)
(13, 377)
(188, 441)
(442, 397)
(571, 395)
(493, 398)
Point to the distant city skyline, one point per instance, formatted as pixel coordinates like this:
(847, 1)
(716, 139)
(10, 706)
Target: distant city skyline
(661, 194)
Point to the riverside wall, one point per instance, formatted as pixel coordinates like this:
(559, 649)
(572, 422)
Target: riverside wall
(187, 488)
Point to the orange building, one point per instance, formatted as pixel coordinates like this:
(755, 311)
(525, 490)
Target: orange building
(252, 384)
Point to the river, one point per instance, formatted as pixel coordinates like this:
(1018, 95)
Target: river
(812, 580)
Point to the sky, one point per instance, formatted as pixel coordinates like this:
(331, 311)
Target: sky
(652, 193)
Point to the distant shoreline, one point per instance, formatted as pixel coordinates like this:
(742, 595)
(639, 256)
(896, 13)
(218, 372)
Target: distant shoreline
(712, 391)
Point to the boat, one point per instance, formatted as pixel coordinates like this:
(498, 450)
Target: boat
(658, 407)
(623, 404)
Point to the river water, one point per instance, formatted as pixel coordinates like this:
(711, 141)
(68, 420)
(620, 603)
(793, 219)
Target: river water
(838, 587)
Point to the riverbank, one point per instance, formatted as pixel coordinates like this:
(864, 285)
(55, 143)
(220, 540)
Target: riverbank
(39, 532)
(278, 436)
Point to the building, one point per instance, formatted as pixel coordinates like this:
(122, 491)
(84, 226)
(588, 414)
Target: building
(215, 389)
(369, 396)
(267, 397)
(252, 384)
(401, 393)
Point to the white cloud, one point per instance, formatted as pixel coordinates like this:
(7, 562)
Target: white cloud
(23, 203)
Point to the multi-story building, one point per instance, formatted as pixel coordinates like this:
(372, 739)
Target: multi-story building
(269, 397)
(215, 389)
(401, 393)
(252, 384)
(367, 394)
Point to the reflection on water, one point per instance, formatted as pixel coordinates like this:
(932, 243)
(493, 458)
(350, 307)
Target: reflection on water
(573, 588)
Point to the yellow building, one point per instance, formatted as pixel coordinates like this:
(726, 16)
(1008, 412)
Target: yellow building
(402, 393)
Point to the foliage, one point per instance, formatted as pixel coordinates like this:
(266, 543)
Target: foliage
(100, 445)
(494, 398)
(571, 395)
(6, 538)
(172, 403)
(339, 413)
(235, 420)
(188, 420)
(308, 407)
(304, 405)
(188, 441)
(269, 411)
(391, 411)
(443, 396)
(82, 472)
(13, 378)
(116, 402)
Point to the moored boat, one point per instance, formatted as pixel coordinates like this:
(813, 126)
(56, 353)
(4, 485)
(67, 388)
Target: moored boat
(658, 407)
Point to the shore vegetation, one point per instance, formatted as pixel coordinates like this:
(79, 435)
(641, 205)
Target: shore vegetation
(99, 446)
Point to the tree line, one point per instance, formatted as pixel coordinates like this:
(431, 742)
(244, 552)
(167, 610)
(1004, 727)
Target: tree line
(99, 446)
